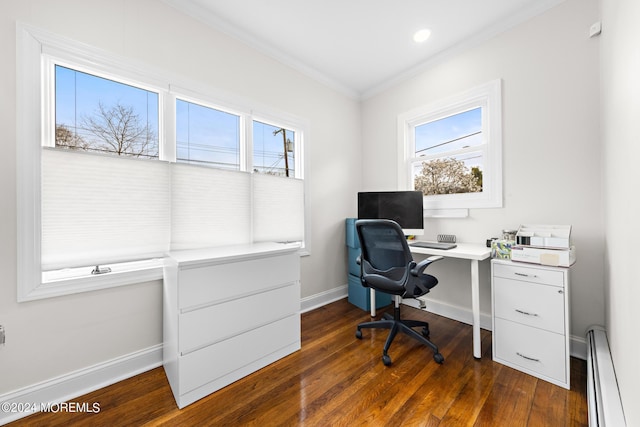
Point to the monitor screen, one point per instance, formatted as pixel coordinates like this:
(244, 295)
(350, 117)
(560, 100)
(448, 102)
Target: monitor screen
(404, 207)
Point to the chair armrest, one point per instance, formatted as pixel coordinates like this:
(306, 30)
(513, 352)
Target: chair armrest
(419, 268)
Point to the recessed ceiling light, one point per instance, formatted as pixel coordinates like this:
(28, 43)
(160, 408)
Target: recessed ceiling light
(421, 35)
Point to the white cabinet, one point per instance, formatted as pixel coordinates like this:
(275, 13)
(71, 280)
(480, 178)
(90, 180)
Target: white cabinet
(228, 312)
(531, 319)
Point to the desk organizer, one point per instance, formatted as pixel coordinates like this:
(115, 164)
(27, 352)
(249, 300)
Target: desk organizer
(544, 236)
(544, 244)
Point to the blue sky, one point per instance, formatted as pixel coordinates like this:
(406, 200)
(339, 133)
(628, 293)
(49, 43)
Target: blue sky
(430, 136)
(451, 133)
(203, 134)
(79, 93)
(207, 135)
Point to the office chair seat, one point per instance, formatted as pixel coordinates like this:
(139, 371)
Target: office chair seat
(386, 265)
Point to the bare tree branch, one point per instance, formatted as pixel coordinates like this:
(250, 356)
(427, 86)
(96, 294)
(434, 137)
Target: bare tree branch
(118, 130)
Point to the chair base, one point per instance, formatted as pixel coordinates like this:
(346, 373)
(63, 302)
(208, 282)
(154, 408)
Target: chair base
(396, 324)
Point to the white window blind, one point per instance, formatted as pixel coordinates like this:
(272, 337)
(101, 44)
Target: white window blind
(210, 207)
(100, 209)
(278, 208)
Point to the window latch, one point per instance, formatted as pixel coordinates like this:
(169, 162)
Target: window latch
(101, 270)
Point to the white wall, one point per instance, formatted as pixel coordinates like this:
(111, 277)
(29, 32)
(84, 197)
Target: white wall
(53, 337)
(551, 149)
(620, 137)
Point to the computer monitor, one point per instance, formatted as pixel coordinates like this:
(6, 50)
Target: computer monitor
(404, 207)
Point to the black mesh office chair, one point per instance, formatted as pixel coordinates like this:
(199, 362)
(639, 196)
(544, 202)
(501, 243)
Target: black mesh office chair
(386, 265)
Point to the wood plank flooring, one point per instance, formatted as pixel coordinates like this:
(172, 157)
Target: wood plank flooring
(338, 380)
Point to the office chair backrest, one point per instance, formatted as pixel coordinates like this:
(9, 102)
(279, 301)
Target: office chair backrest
(383, 244)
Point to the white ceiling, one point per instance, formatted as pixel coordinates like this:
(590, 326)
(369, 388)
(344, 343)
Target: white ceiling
(360, 46)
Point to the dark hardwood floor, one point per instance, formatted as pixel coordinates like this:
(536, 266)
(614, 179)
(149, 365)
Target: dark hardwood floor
(338, 380)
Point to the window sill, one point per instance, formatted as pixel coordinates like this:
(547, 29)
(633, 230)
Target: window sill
(446, 213)
(77, 280)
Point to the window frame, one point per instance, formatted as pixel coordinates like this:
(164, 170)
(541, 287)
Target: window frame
(37, 51)
(488, 97)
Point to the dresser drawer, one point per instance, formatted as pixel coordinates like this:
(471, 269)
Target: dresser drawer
(530, 349)
(219, 282)
(214, 323)
(541, 306)
(529, 274)
(216, 361)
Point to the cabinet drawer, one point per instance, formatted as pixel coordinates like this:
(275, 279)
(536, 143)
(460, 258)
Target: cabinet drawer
(536, 351)
(208, 325)
(220, 282)
(541, 306)
(215, 361)
(529, 274)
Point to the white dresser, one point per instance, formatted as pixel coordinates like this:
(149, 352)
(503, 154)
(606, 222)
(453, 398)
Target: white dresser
(228, 312)
(531, 319)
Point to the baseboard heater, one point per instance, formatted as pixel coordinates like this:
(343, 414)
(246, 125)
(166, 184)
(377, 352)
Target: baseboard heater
(603, 396)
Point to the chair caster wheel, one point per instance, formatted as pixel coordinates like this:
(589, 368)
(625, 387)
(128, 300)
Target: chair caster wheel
(438, 358)
(425, 332)
(359, 334)
(386, 360)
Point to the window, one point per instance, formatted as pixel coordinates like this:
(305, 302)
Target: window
(116, 167)
(102, 115)
(205, 135)
(274, 150)
(451, 151)
(448, 156)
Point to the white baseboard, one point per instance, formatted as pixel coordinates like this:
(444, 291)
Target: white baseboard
(323, 298)
(454, 312)
(578, 346)
(78, 383)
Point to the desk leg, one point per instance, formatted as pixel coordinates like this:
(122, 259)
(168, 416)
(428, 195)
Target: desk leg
(372, 299)
(475, 307)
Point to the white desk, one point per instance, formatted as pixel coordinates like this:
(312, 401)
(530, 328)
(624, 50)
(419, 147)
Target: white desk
(474, 252)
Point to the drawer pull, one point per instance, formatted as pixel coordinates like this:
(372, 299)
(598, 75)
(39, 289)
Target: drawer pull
(526, 313)
(527, 357)
(526, 275)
